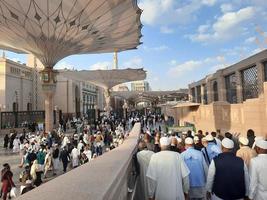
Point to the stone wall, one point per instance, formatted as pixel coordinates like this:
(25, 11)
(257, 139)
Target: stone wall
(251, 114)
(105, 178)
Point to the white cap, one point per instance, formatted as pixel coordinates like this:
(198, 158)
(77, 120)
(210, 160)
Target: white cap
(189, 140)
(196, 138)
(165, 141)
(258, 138)
(255, 140)
(261, 144)
(209, 138)
(227, 143)
(243, 141)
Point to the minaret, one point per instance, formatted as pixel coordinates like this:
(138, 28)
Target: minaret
(115, 60)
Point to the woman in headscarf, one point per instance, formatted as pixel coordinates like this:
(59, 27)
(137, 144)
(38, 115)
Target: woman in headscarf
(6, 179)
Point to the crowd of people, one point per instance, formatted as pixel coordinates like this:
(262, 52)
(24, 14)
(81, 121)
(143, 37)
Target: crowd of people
(199, 166)
(41, 153)
(171, 166)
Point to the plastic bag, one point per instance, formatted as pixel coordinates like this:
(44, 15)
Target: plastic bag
(13, 192)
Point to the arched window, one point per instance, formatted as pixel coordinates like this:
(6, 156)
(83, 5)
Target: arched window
(215, 91)
(15, 107)
(29, 107)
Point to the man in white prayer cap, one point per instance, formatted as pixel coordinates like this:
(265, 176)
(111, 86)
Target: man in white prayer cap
(258, 169)
(143, 158)
(245, 152)
(196, 163)
(228, 175)
(211, 150)
(167, 174)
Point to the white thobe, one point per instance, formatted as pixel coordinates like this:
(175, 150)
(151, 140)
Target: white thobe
(16, 145)
(80, 146)
(143, 158)
(65, 141)
(88, 154)
(168, 176)
(211, 176)
(258, 178)
(75, 157)
(218, 142)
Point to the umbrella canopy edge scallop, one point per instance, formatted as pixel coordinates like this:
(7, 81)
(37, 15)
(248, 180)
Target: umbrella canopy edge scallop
(106, 78)
(54, 29)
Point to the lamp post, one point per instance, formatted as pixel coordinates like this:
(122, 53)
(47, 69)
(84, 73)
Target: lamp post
(125, 107)
(96, 112)
(48, 78)
(107, 108)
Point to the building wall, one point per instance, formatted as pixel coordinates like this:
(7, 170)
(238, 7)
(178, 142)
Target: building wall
(23, 85)
(87, 94)
(235, 118)
(2, 83)
(238, 117)
(140, 86)
(16, 85)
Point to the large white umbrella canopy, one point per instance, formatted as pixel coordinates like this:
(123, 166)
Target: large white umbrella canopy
(106, 78)
(54, 29)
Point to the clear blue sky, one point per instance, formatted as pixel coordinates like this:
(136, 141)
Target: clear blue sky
(184, 40)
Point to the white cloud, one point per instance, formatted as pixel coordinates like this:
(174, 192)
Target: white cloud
(209, 2)
(64, 65)
(171, 12)
(100, 65)
(226, 27)
(257, 50)
(227, 7)
(237, 52)
(173, 62)
(214, 68)
(250, 40)
(157, 48)
(135, 62)
(178, 70)
(203, 28)
(166, 30)
(153, 9)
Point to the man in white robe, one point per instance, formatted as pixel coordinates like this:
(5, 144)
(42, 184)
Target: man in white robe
(75, 157)
(16, 145)
(143, 158)
(258, 169)
(227, 175)
(80, 145)
(88, 152)
(65, 141)
(168, 175)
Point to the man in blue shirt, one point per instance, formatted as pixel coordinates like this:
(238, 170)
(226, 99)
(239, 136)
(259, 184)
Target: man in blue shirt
(196, 163)
(212, 150)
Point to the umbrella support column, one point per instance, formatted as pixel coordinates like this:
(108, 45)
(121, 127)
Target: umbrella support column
(107, 100)
(49, 89)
